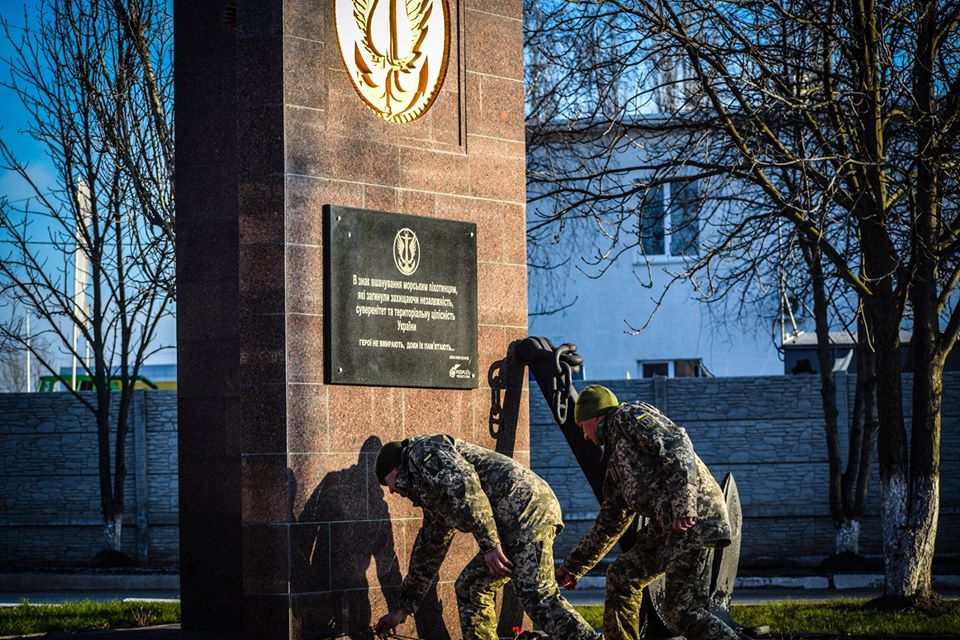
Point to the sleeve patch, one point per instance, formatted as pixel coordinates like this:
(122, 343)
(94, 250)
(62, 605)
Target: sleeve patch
(431, 463)
(644, 420)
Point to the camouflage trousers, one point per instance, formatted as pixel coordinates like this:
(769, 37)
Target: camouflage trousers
(536, 586)
(686, 591)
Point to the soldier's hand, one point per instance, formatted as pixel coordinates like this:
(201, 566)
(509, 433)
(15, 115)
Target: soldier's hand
(565, 579)
(497, 563)
(682, 524)
(390, 622)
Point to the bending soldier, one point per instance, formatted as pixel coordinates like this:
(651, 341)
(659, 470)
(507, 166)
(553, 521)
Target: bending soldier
(512, 513)
(651, 470)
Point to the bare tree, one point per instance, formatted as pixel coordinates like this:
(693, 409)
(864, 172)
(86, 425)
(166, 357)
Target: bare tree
(18, 367)
(830, 122)
(90, 257)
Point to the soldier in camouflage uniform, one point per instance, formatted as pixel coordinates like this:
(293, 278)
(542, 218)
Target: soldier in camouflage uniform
(512, 513)
(651, 470)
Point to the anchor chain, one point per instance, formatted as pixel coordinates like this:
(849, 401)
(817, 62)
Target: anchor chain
(562, 382)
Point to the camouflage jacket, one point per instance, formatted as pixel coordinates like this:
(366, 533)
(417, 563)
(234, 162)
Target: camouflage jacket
(464, 487)
(651, 470)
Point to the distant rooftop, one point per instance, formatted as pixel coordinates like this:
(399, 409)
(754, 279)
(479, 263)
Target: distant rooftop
(809, 338)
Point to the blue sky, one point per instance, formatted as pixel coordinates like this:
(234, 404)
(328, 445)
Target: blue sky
(13, 119)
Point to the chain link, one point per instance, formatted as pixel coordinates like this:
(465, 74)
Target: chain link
(562, 383)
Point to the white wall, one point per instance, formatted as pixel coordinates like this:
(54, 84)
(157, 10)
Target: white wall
(597, 322)
(682, 328)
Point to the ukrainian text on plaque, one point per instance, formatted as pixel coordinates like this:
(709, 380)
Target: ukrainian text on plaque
(400, 300)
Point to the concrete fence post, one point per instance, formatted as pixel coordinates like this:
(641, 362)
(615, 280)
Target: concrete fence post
(139, 418)
(660, 395)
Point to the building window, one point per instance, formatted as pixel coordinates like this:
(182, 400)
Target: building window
(651, 224)
(687, 368)
(654, 369)
(670, 220)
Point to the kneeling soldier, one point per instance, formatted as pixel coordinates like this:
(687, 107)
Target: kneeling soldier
(511, 512)
(651, 470)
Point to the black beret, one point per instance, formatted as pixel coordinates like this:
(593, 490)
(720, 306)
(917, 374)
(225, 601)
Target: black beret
(388, 459)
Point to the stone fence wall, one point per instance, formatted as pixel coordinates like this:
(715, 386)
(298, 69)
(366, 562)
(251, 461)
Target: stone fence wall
(49, 484)
(769, 433)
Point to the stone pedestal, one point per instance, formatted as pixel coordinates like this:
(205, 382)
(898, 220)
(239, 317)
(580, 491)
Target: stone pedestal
(284, 529)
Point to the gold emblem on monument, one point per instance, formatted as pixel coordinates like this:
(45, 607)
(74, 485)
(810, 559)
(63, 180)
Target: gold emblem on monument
(395, 52)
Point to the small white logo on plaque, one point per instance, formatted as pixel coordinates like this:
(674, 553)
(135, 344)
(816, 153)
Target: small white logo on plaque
(459, 374)
(406, 251)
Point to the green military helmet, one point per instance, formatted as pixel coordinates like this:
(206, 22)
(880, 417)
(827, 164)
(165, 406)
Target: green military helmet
(594, 401)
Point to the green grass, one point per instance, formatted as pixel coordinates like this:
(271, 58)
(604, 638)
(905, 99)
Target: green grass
(787, 616)
(848, 616)
(84, 615)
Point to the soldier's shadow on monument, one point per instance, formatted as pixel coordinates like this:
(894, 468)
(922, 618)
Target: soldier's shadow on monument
(324, 559)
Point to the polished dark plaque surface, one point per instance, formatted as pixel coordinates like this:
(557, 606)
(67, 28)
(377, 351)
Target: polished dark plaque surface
(401, 300)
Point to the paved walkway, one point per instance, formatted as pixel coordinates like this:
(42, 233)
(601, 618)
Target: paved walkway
(578, 596)
(758, 596)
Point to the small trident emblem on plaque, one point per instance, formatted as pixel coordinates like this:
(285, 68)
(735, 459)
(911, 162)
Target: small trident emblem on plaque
(406, 251)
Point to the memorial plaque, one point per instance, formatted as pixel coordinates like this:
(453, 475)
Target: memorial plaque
(401, 300)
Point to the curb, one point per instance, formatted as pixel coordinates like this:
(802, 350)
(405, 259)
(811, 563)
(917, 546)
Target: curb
(779, 582)
(840, 582)
(51, 581)
(80, 581)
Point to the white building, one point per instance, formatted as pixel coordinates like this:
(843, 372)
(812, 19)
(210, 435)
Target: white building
(608, 316)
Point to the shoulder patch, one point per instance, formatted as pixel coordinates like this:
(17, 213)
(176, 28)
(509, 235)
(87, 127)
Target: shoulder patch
(644, 420)
(431, 463)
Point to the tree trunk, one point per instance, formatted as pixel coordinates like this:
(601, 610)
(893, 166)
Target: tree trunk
(859, 465)
(883, 310)
(863, 427)
(848, 537)
(909, 566)
(891, 445)
(112, 532)
(828, 390)
(907, 540)
(913, 534)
